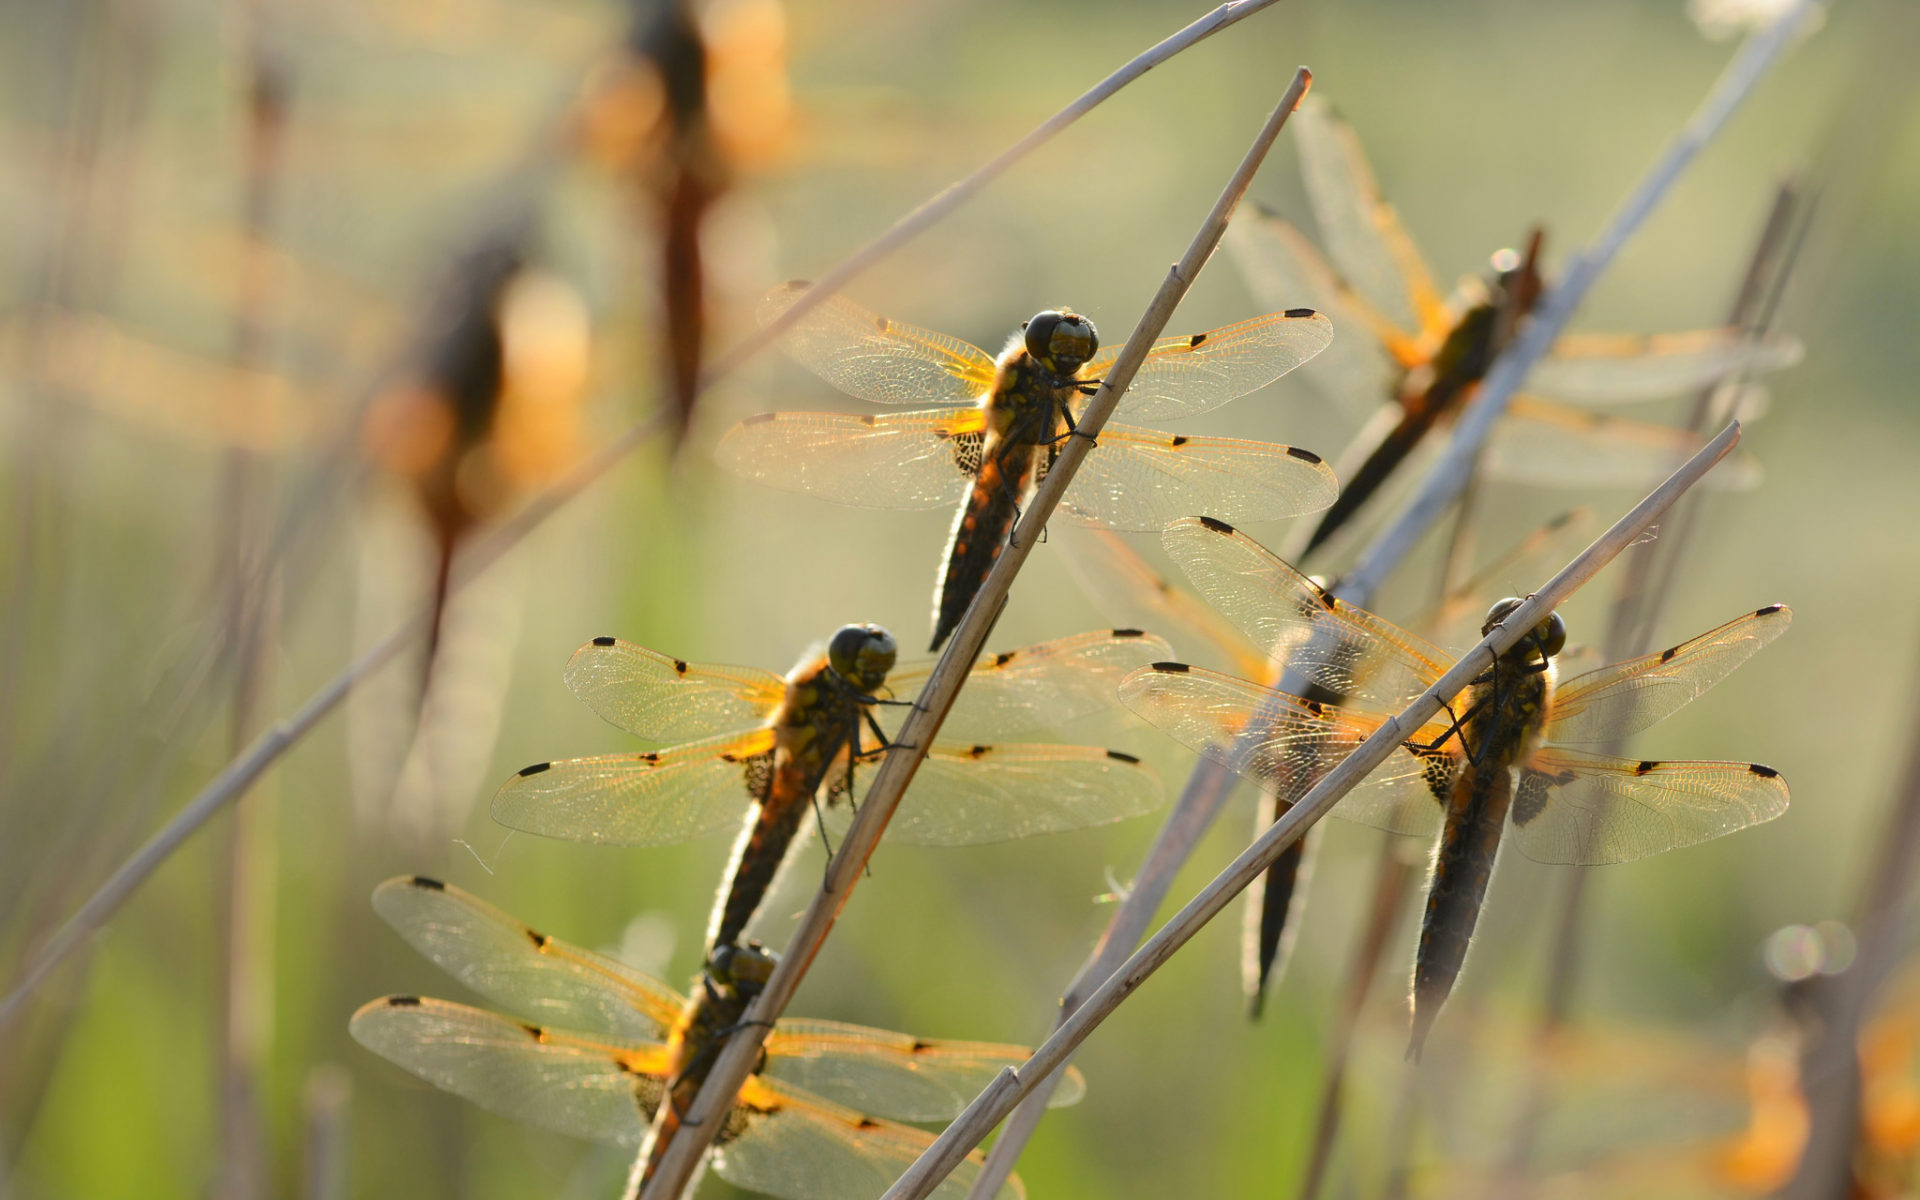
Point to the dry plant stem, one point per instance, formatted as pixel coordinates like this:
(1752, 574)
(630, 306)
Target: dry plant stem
(241, 771)
(890, 782)
(1011, 1085)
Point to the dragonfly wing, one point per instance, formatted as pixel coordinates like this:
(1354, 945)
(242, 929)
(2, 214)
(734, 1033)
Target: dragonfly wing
(895, 1075)
(1554, 446)
(877, 359)
(1043, 687)
(1573, 807)
(533, 976)
(653, 799)
(666, 699)
(1598, 368)
(1189, 374)
(1297, 743)
(1457, 619)
(1627, 697)
(1140, 479)
(1348, 651)
(572, 1085)
(803, 1147)
(903, 460)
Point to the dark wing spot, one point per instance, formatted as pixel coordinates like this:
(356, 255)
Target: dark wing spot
(1304, 455)
(979, 751)
(1194, 341)
(1217, 525)
(1004, 657)
(1646, 765)
(1177, 441)
(539, 940)
(1117, 756)
(1763, 772)
(869, 420)
(1668, 653)
(535, 769)
(651, 756)
(1129, 633)
(432, 885)
(869, 1123)
(1771, 608)
(1171, 668)
(604, 641)
(1301, 313)
(403, 1002)
(880, 323)
(761, 418)
(680, 666)
(1313, 706)
(919, 1045)
(626, 1068)
(535, 1032)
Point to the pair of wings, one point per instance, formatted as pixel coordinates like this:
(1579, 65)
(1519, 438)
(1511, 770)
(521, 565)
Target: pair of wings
(963, 794)
(582, 1054)
(1136, 478)
(1571, 806)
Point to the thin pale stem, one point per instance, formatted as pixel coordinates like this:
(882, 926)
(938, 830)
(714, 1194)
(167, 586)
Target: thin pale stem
(890, 782)
(1011, 1085)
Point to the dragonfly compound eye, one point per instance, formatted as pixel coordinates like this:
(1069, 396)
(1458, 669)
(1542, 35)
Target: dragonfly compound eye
(862, 654)
(1553, 635)
(1498, 613)
(1062, 340)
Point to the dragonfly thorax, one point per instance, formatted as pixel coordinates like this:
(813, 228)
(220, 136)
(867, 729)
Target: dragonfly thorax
(1062, 342)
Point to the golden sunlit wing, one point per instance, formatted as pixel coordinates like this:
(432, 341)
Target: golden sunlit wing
(603, 1091)
(666, 699)
(1046, 686)
(535, 977)
(1140, 479)
(1346, 650)
(652, 799)
(975, 795)
(802, 1147)
(1554, 446)
(1587, 368)
(1190, 374)
(895, 1074)
(1627, 697)
(1298, 742)
(1360, 230)
(1572, 807)
(1129, 592)
(904, 460)
(877, 359)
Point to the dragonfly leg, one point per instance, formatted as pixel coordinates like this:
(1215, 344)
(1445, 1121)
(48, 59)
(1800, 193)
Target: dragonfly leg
(1457, 728)
(881, 735)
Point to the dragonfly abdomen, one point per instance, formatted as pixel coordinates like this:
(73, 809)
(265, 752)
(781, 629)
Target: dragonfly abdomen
(980, 532)
(1462, 867)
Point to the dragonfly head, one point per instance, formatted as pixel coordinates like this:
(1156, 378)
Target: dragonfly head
(862, 655)
(745, 969)
(1548, 638)
(1062, 342)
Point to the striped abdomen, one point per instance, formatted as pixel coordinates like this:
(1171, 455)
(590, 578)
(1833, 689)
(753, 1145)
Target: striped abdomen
(981, 529)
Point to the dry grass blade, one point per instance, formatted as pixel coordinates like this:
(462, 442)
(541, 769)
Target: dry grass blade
(1009, 1088)
(702, 1121)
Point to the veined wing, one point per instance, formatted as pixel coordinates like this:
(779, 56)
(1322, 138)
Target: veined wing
(1627, 697)
(1295, 743)
(1589, 368)
(1141, 479)
(539, 978)
(974, 795)
(652, 799)
(878, 359)
(1189, 374)
(1361, 231)
(1352, 653)
(604, 1091)
(667, 699)
(1573, 807)
(1126, 590)
(894, 1075)
(1036, 687)
(803, 1147)
(1456, 620)
(1555, 446)
(905, 460)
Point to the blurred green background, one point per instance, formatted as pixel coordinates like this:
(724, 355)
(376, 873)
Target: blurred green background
(121, 125)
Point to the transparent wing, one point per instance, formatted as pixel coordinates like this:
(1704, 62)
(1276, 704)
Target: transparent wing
(1554, 446)
(666, 699)
(653, 799)
(1573, 807)
(1627, 697)
(602, 1091)
(1189, 374)
(1457, 619)
(1297, 742)
(905, 460)
(1036, 687)
(877, 359)
(894, 1075)
(538, 978)
(1141, 479)
(1347, 650)
(1361, 231)
(1589, 368)
(803, 1147)
(973, 795)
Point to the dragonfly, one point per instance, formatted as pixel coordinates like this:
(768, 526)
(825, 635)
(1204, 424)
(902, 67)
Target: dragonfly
(1427, 354)
(1511, 748)
(1017, 412)
(771, 745)
(1124, 587)
(587, 1046)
